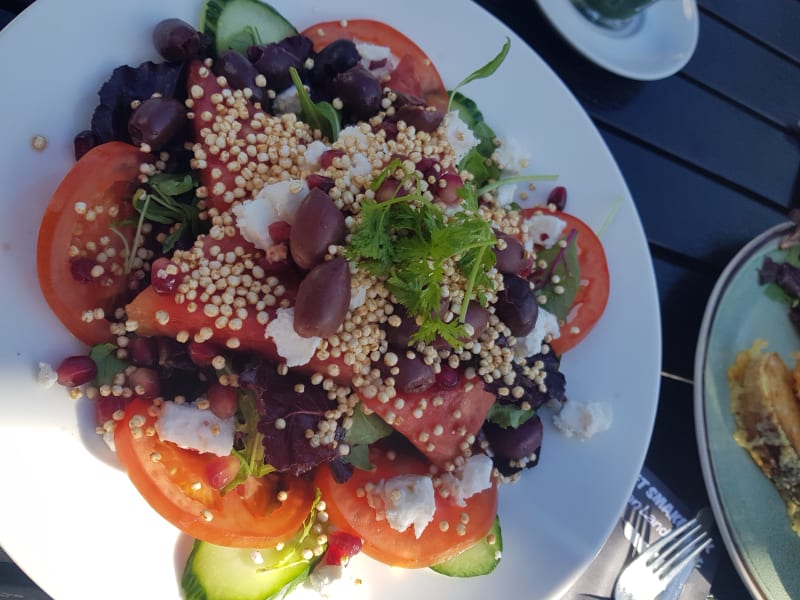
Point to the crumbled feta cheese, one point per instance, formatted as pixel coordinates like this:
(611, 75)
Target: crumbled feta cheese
(506, 193)
(459, 135)
(531, 344)
(330, 581)
(292, 347)
(313, 154)
(511, 156)
(352, 136)
(195, 428)
(275, 202)
(377, 59)
(357, 297)
(361, 165)
(543, 230)
(404, 501)
(108, 438)
(288, 101)
(47, 376)
(583, 420)
(475, 476)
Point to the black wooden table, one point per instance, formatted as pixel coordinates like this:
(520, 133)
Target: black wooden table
(711, 157)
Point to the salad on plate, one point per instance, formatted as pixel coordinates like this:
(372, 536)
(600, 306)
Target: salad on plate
(319, 320)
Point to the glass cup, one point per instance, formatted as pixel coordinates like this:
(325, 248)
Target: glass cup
(614, 15)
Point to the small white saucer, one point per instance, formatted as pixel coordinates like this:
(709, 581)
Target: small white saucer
(659, 47)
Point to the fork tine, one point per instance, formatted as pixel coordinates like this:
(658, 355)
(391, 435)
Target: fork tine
(654, 550)
(687, 548)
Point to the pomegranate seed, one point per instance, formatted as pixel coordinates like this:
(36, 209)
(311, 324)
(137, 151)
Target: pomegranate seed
(76, 370)
(319, 181)
(558, 197)
(202, 353)
(220, 470)
(163, 276)
(342, 547)
(145, 382)
(223, 400)
(279, 231)
(448, 377)
(81, 269)
(326, 159)
(143, 351)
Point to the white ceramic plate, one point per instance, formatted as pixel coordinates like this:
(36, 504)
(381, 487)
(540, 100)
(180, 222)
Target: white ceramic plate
(659, 47)
(71, 518)
(749, 512)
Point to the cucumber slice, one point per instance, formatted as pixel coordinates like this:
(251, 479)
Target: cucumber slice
(222, 573)
(479, 559)
(238, 24)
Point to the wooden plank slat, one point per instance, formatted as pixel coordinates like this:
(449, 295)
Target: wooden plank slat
(747, 72)
(684, 216)
(775, 23)
(693, 125)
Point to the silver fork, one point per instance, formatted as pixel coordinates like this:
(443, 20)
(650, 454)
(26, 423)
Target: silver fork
(651, 572)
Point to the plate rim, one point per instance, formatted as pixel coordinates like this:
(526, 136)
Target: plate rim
(555, 13)
(649, 284)
(731, 272)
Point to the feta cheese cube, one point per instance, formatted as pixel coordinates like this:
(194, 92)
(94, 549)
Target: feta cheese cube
(313, 154)
(275, 202)
(506, 193)
(404, 501)
(377, 59)
(474, 477)
(352, 137)
(583, 420)
(459, 135)
(360, 165)
(195, 429)
(546, 323)
(357, 297)
(511, 157)
(543, 230)
(295, 349)
(47, 376)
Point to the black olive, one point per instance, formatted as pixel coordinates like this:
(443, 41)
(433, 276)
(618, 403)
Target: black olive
(337, 57)
(176, 40)
(274, 60)
(360, 92)
(414, 376)
(156, 121)
(516, 305)
(240, 73)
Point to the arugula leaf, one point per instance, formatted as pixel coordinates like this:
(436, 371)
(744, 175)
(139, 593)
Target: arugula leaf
(318, 115)
(167, 199)
(108, 365)
(508, 415)
(485, 71)
(359, 457)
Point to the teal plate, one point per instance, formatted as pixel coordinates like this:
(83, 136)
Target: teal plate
(750, 514)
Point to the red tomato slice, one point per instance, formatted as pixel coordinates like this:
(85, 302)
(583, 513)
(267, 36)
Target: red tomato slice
(443, 538)
(175, 482)
(592, 297)
(75, 234)
(173, 316)
(439, 420)
(415, 75)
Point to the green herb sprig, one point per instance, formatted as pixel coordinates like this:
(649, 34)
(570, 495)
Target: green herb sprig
(408, 241)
